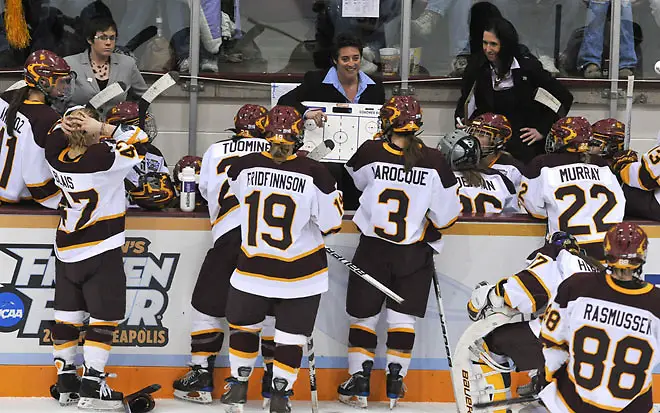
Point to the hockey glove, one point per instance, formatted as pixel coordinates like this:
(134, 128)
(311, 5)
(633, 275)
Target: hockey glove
(484, 301)
(623, 158)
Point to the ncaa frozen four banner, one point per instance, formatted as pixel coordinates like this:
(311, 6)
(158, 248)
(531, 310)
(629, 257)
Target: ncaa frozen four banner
(162, 257)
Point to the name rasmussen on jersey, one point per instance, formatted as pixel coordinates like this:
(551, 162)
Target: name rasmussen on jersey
(26, 303)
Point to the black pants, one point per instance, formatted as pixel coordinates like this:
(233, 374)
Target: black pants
(517, 342)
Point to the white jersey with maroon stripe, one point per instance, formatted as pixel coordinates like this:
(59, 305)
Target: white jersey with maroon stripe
(492, 193)
(24, 172)
(530, 290)
(93, 207)
(214, 183)
(601, 341)
(284, 211)
(579, 198)
(400, 206)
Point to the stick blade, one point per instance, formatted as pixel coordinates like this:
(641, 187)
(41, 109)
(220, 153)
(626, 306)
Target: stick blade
(18, 85)
(159, 86)
(106, 95)
(322, 150)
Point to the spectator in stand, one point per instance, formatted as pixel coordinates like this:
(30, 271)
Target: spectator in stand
(591, 52)
(99, 66)
(344, 82)
(506, 79)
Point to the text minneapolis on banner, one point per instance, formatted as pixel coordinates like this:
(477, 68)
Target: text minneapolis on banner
(26, 302)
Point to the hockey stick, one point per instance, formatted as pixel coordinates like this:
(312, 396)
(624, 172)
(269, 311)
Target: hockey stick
(506, 402)
(368, 278)
(443, 323)
(17, 85)
(106, 95)
(322, 150)
(159, 86)
(312, 374)
(629, 103)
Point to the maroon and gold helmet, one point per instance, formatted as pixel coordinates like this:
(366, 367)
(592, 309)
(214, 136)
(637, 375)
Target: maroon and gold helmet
(625, 245)
(496, 128)
(570, 134)
(608, 136)
(49, 73)
(128, 113)
(155, 190)
(248, 122)
(193, 161)
(401, 114)
(283, 125)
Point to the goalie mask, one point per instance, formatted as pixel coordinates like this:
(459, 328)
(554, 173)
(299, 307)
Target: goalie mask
(493, 132)
(626, 245)
(283, 125)
(400, 114)
(50, 74)
(249, 121)
(461, 150)
(607, 137)
(570, 134)
(155, 190)
(128, 113)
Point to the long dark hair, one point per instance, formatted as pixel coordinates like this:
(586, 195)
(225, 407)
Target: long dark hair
(480, 14)
(509, 44)
(16, 101)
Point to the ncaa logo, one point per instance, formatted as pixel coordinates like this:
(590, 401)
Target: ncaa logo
(14, 307)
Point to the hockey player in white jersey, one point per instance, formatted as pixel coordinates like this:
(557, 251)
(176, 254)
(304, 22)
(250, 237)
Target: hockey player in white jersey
(286, 204)
(493, 132)
(26, 123)
(89, 272)
(486, 357)
(209, 297)
(575, 191)
(481, 189)
(600, 333)
(409, 194)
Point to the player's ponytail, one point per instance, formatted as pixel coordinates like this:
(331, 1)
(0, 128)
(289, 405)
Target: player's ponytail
(413, 152)
(585, 157)
(17, 100)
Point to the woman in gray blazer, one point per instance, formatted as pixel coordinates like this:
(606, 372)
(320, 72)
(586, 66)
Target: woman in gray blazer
(98, 66)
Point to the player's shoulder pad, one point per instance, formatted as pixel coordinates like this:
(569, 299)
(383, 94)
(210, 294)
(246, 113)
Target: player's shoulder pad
(434, 159)
(367, 153)
(507, 159)
(575, 285)
(321, 176)
(507, 182)
(549, 160)
(244, 162)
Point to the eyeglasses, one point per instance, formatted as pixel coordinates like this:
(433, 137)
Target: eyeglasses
(105, 37)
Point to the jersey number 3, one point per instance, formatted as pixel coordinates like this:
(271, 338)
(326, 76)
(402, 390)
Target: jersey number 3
(277, 212)
(397, 217)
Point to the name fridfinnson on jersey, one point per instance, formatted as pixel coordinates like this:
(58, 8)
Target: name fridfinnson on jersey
(276, 180)
(617, 318)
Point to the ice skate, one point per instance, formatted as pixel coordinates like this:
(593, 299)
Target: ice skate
(95, 394)
(395, 387)
(196, 385)
(279, 402)
(266, 382)
(68, 383)
(236, 389)
(355, 390)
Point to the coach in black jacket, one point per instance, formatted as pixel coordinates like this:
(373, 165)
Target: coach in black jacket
(506, 79)
(342, 83)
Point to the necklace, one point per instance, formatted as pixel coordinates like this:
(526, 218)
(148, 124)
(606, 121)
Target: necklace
(100, 71)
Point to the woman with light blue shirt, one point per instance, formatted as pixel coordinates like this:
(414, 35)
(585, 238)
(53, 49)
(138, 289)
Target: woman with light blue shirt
(342, 83)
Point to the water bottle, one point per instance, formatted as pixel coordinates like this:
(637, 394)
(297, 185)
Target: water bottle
(188, 186)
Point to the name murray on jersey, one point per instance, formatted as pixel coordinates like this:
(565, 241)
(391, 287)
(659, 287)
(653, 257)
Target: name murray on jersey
(617, 318)
(276, 180)
(397, 173)
(579, 172)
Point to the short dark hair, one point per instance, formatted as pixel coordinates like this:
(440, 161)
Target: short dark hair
(509, 44)
(99, 24)
(345, 40)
